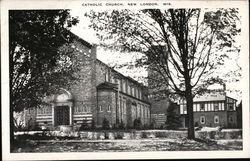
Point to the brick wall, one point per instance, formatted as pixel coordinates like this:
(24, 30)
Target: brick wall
(106, 107)
(209, 118)
(86, 98)
(83, 90)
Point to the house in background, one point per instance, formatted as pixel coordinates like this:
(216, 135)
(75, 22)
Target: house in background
(212, 109)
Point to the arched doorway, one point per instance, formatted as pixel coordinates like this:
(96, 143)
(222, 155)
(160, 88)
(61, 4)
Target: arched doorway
(62, 108)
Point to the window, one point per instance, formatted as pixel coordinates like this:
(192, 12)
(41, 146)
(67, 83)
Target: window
(88, 108)
(184, 108)
(194, 107)
(202, 107)
(112, 79)
(129, 89)
(216, 119)
(230, 107)
(124, 106)
(84, 108)
(43, 110)
(107, 76)
(124, 86)
(202, 119)
(121, 108)
(132, 91)
(109, 108)
(216, 106)
(100, 108)
(119, 84)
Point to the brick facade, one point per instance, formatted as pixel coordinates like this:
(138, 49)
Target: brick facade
(100, 92)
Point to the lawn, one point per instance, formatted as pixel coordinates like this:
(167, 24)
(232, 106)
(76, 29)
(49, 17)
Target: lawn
(156, 144)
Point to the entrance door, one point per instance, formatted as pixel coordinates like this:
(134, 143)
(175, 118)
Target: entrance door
(62, 115)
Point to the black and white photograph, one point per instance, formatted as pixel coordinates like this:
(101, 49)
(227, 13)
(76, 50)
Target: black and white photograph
(124, 79)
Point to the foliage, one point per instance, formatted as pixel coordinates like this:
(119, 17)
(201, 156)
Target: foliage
(121, 125)
(84, 126)
(93, 125)
(137, 123)
(178, 44)
(36, 65)
(18, 119)
(173, 118)
(105, 124)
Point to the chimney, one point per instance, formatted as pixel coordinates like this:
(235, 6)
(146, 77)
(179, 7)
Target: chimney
(224, 87)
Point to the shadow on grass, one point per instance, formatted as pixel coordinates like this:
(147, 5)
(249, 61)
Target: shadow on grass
(206, 141)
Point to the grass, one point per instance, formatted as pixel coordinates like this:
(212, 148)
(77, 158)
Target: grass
(123, 145)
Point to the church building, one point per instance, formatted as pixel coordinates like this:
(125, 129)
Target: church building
(100, 93)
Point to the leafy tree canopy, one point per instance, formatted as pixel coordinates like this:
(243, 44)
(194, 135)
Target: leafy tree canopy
(172, 40)
(36, 64)
(183, 46)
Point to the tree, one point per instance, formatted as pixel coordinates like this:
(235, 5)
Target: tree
(184, 46)
(105, 124)
(37, 66)
(173, 118)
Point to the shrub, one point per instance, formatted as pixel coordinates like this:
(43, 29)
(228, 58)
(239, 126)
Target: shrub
(137, 123)
(84, 126)
(93, 125)
(173, 118)
(121, 125)
(105, 124)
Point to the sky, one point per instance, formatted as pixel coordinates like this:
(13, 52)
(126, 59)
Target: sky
(82, 30)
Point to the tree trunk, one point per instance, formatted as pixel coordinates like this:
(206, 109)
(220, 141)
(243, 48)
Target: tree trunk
(190, 115)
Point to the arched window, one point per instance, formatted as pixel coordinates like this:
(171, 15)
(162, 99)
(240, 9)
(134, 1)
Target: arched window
(216, 119)
(100, 108)
(109, 108)
(202, 120)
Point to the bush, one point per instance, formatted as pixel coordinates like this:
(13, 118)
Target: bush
(84, 126)
(173, 121)
(105, 124)
(137, 123)
(121, 125)
(93, 125)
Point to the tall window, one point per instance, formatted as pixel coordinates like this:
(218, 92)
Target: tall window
(202, 120)
(124, 86)
(100, 108)
(129, 92)
(216, 119)
(109, 108)
(119, 84)
(107, 76)
(132, 91)
(112, 79)
(121, 108)
(124, 107)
